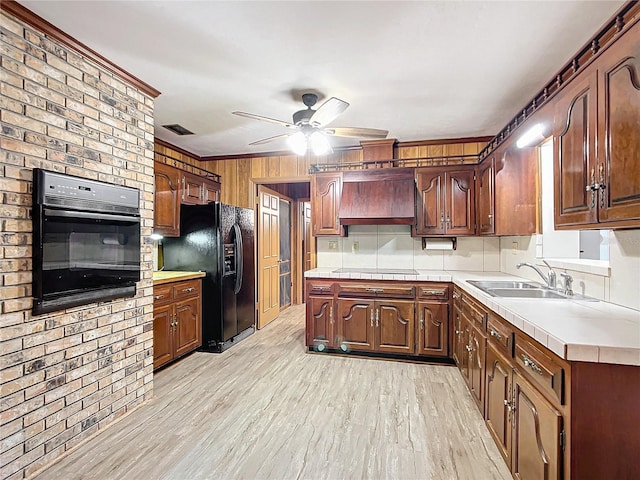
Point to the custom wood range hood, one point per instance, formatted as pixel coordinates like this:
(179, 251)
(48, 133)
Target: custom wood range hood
(378, 197)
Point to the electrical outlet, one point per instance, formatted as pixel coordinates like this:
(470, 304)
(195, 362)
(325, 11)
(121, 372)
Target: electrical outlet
(514, 248)
(355, 247)
(333, 245)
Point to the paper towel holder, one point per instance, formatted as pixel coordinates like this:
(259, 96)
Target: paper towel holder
(454, 241)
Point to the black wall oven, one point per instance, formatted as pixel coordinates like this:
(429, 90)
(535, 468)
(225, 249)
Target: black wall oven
(86, 241)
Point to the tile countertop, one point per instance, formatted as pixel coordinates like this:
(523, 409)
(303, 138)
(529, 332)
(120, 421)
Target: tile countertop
(576, 330)
(167, 277)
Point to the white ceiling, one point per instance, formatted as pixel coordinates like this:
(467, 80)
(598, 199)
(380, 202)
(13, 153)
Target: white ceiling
(421, 69)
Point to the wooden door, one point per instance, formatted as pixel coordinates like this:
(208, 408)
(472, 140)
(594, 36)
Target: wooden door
(268, 255)
(188, 322)
(618, 166)
(477, 357)
(497, 411)
(537, 452)
(166, 210)
(574, 154)
(486, 197)
(430, 214)
(460, 202)
(433, 329)
(162, 335)
(326, 190)
(284, 257)
(320, 322)
(356, 324)
(395, 326)
(192, 189)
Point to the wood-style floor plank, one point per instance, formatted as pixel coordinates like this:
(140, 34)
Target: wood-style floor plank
(266, 409)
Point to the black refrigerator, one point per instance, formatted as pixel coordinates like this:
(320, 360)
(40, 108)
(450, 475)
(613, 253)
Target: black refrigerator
(218, 239)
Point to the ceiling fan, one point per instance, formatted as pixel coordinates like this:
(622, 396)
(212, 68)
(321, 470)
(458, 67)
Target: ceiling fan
(311, 126)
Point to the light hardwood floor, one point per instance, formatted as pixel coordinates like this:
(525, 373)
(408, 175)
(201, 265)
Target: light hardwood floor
(265, 409)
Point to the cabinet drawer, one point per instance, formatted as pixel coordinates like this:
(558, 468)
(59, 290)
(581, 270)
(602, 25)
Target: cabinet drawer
(319, 288)
(385, 290)
(500, 335)
(434, 292)
(162, 293)
(186, 289)
(473, 311)
(539, 367)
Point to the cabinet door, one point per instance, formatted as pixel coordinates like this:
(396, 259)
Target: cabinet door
(477, 356)
(188, 327)
(326, 190)
(162, 335)
(537, 452)
(320, 322)
(433, 329)
(430, 214)
(211, 191)
(356, 323)
(574, 154)
(394, 326)
(460, 202)
(166, 213)
(497, 409)
(618, 166)
(460, 354)
(486, 197)
(192, 189)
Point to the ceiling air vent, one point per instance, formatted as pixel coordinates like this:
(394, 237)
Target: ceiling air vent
(178, 129)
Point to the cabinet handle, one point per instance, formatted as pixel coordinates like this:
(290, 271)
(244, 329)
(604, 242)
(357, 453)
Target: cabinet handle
(375, 290)
(469, 348)
(442, 220)
(439, 293)
(493, 333)
(321, 287)
(337, 221)
(421, 320)
(448, 220)
(184, 188)
(331, 314)
(507, 404)
(188, 290)
(457, 332)
(456, 296)
(372, 316)
(377, 317)
(529, 363)
(158, 297)
(601, 185)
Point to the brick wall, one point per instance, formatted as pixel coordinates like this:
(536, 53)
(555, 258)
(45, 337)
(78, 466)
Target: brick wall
(67, 375)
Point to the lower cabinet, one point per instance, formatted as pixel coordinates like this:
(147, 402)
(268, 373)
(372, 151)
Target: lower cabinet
(433, 329)
(320, 327)
(177, 320)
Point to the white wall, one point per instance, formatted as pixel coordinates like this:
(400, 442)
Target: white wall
(391, 246)
(620, 285)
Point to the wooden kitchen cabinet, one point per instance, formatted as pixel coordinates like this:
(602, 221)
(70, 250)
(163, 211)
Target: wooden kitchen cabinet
(485, 200)
(432, 329)
(326, 191)
(320, 321)
(356, 324)
(497, 410)
(596, 143)
(197, 190)
(445, 203)
(166, 213)
(476, 364)
(177, 320)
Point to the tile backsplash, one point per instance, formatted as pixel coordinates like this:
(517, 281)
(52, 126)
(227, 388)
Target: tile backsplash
(392, 246)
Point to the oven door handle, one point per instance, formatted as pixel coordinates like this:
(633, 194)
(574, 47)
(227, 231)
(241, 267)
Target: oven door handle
(91, 215)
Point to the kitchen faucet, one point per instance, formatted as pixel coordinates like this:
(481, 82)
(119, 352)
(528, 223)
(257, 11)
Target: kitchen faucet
(549, 279)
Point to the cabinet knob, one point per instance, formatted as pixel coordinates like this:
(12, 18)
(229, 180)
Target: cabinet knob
(158, 297)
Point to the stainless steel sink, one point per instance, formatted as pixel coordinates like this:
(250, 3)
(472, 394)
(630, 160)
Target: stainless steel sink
(485, 285)
(524, 293)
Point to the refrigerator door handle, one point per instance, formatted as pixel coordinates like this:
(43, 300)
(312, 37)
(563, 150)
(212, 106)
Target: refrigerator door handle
(237, 240)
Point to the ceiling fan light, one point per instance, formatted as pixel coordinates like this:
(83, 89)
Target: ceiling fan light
(319, 144)
(298, 143)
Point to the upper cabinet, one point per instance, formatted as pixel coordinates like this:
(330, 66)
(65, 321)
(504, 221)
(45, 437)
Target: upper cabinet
(166, 215)
(173, 187)
(446, 201)
(326, 192)
(597, 145)
(485, 201)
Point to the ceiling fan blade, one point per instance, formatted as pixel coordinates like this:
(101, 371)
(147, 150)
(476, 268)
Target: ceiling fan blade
(270, 139)
(354, 132)
(328, 111)
(264, 119)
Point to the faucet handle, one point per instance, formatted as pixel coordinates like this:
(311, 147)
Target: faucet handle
(568, 283)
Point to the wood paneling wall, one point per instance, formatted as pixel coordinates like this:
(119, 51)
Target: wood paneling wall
(241, 173)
